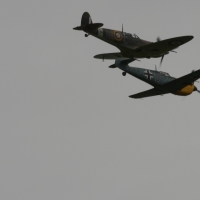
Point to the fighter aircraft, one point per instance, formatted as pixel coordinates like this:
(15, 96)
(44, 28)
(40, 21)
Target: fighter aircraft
(162, 82)
(130, 45)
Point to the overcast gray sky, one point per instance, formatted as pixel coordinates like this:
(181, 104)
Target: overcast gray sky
(68, 129)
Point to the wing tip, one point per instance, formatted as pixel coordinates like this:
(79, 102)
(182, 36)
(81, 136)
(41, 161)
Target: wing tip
(133, 97)
(109, 56)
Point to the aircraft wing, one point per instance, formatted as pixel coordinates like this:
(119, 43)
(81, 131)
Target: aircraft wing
(109, 56)
(183, 81)
(163, 46)
(147, 93)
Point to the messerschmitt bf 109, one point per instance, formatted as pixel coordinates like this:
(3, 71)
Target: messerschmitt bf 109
(130, 45)
(162, 82)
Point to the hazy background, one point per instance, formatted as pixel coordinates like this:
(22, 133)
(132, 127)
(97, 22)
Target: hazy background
(68, 129)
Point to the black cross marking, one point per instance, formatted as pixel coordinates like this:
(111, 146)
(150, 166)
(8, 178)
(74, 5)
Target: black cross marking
(148, 74)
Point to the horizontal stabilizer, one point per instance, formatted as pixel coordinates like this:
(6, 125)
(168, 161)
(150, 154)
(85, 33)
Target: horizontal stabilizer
(147, 93)
(79, 28)
(112, 66)
(89, 26)
(94, 26)
(109, 56)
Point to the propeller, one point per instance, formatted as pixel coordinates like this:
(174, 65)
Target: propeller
(195, 89)
(161, 60)
(158, 39)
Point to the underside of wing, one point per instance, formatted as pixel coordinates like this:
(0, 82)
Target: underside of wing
(164, 46)
(183, 81)
(147, 93)
(109, 56)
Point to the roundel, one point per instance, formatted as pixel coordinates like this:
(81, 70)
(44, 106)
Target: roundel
(176, 43)
(118, 36)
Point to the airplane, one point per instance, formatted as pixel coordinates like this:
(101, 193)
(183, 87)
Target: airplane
(130, 45)
(162, 82)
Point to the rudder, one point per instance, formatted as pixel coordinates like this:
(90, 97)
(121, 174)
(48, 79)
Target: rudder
(86, 19)
(87, 24)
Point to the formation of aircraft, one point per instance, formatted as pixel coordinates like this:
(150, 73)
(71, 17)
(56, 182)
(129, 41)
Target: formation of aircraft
(130, 45)
(162, 82)
(131, 48)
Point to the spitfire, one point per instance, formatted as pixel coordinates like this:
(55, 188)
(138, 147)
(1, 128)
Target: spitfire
(130, 45)
(162, 82)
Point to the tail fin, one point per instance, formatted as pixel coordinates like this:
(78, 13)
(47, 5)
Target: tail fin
(86, 23)
(86, 19)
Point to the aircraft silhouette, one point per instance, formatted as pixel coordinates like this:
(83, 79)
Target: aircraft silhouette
(130, 45)
(162, 82)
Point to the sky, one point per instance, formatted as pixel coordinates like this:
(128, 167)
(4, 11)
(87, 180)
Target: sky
(68, 129)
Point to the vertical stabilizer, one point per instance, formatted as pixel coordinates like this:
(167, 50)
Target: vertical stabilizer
(86, 23)
(86, 19)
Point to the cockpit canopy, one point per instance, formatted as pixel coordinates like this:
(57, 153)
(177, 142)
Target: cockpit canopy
(134, 35)
(164, 73)
(131, 35)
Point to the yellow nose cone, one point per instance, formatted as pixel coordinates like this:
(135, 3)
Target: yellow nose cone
(187, 90)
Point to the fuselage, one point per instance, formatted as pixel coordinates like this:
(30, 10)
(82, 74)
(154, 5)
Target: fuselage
(125, 42)
(155, 78)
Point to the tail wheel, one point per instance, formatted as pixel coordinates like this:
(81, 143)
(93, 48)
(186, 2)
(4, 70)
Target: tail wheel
(124, 73)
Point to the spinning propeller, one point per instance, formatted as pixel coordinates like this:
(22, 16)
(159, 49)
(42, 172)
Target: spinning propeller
(158, 40)
(195, 88)
(161, 60)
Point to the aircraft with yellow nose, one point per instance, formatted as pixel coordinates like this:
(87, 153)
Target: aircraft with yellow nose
(162, 82)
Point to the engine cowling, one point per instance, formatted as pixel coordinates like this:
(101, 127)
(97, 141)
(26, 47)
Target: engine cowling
(187, 90)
